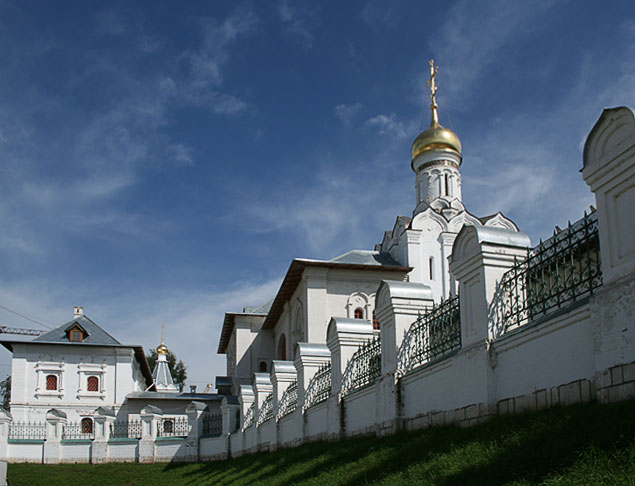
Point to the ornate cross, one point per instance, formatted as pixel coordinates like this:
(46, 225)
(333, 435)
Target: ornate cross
(432, 83)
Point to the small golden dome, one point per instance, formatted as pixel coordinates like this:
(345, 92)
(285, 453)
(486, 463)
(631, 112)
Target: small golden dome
(436, 137)
(163, 349)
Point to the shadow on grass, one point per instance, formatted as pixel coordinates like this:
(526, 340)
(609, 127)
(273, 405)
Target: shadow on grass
(527, 448)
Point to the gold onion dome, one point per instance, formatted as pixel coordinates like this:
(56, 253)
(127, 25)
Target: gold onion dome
(436, 137)
(162, 349)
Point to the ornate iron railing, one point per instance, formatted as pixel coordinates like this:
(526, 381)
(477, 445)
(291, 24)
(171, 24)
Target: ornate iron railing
(126, 429)
(319, 388)
(78, 431)
(432, 336)
(173, 427)
(249, 416)
(559, 271)
(266, 410)
(363, 368)
(27, 430)
(212, 424)
(289, 401)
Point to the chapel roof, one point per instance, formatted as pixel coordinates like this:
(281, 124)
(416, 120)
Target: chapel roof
(94, 333)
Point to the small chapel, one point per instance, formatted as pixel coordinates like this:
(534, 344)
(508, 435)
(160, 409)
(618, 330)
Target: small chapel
(416, 249)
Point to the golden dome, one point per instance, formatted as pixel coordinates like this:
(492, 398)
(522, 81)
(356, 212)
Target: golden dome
(163, 349)
(436, 137)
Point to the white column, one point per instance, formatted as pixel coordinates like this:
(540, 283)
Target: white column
(283, 373)
(149, 419)
(194, 412)
(229, 407)
(310, 357)
(246, 398)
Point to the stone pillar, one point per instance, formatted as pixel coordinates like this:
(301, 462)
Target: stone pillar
(609, 170)
(398, 305)
(309, 358)
(102, 420)
(229, 407)
(150, 415)
(56, 420)
(480, 257)
(344, 337)
(283, 373)
(245, 399)
(194, 412)
(262, 387)
(5, 420)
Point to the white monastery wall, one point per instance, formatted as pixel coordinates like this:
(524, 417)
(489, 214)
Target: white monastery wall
(123, 450)
(213, 448)
(361, 411)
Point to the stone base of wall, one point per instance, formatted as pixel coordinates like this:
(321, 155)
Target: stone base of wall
(616, 383)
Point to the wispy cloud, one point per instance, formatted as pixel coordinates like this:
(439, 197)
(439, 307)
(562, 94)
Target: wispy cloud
(389, 125)
(346, 113)
(379, 15)
(298, 19)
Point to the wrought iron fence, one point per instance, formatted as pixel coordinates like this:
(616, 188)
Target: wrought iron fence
(559, 271)
(432, 336)
(173, 427)
(319, 388)
(266, 410)
(289, 401)
(249, 416)
(78, 431)
(363, 368)
(27, 430)
(212, 424)
(126, 429)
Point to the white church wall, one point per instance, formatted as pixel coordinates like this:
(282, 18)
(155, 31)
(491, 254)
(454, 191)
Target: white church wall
(18, 451)
(290, 429)
(213, 448)
(361, 411)
(123, 450)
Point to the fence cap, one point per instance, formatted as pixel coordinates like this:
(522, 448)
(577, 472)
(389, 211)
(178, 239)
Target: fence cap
(151, 410)
(389, 289)
(282, 366)
(350, 326)
(470, 236)
(312, 350)
(5, 415)
(611, 134)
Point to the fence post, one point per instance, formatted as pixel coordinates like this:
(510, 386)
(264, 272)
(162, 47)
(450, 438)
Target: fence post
(194, 411)
(102, 420)
(56, 420)
(609, 170)
(283, 373)
(5, 421)
(149, 418)
(245, 399)
(397, 305)
(309, 358)
(229, 407)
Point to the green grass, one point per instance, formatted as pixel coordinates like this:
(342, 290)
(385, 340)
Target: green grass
(586, 444)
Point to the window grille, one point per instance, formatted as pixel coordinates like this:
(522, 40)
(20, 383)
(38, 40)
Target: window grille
(319, 388)
(289, 401)
(363, 368)
(557, 273)
(92, 384)
(432, 336)
(51, 382)
(87, 426)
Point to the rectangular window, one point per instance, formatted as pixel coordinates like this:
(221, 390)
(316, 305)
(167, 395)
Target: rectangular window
(51, 382)
(76, 336)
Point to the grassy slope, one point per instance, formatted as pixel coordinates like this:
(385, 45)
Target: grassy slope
(584, 445)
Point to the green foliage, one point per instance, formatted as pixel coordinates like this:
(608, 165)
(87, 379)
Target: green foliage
(581, 445)
(178, 369)
(5, 392)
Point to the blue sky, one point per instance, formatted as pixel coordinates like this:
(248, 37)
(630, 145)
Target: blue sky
(164, 162)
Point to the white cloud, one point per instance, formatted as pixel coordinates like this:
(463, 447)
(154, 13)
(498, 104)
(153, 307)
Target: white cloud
(346, 113)
(389, 125)
(295, 16)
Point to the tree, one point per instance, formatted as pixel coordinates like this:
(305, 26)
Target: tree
(177, 369)
(5, 392)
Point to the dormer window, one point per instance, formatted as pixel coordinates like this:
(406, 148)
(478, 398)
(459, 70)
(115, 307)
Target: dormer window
(76, 333)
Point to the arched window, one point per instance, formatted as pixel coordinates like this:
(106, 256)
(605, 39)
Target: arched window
(87, 426)
(51, 382)
(93, 384)
(263, 367)
(431, 267)
(282, 348)
(359, 313)
(447, 185)
(168, 426)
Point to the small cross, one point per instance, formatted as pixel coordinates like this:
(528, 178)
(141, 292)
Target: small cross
(432, 83)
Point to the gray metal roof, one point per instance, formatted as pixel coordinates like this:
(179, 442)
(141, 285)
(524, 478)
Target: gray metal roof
(96, 335)
(366, 257)
(262, 309)
(173, 396)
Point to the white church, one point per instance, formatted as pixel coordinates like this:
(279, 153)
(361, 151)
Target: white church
(451, 319)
